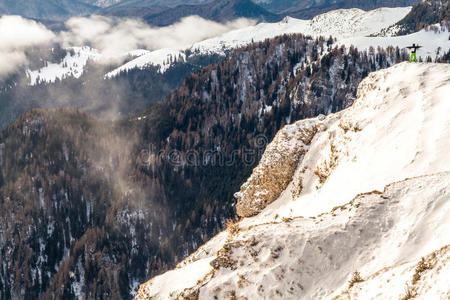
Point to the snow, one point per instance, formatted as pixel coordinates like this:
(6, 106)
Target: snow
(384, 204)
(134, 287)
(138, 52)
(172, 281)
(409, 139)
(348, 26)
(41, 198)
(430, 40)
(346, 23)
(432, 283)
(106, 3)
(77, 285)
(159, 57)
(340, 24)
(71, 66)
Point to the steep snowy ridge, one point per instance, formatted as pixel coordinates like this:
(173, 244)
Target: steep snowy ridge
(369, 181)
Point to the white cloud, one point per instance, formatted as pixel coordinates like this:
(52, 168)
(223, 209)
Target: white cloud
(16, 35)
(114, 36)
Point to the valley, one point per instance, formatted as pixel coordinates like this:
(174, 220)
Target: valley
(274, 157)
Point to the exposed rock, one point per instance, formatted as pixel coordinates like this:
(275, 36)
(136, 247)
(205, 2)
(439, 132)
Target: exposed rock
(276, 169)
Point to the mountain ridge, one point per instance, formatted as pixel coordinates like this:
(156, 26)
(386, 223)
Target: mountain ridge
(162, 13)
(219, 11)
(58, 10)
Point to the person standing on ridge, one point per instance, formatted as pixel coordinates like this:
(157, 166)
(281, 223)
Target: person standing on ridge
(413, 52)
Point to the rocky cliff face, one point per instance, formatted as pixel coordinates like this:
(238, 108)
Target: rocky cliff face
(373, 180)
(276, 167)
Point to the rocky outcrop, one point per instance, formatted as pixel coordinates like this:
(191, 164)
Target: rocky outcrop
(276, 168)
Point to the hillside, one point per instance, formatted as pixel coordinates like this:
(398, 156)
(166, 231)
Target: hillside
(154, 202)
(332, 196)
(422, 15)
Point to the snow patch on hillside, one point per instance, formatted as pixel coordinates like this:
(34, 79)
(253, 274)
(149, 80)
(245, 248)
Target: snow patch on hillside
(106, 3)
(71, 66)
(74, 63)
(162, 59)
(373, 181)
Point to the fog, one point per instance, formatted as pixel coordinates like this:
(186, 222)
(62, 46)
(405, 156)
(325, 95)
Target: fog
(112, 36)
(16, 35)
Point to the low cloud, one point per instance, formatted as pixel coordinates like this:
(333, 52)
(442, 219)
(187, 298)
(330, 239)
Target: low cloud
(16, 35)
(115, 36)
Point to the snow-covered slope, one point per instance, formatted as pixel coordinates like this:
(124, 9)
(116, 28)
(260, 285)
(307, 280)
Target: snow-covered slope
(434, 42)
(368, 191)
(340, 24)
(71, 66)
(161, 58)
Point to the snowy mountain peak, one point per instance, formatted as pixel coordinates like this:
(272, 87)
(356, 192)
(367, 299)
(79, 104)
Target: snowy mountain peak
(370, 180)
(341, 24)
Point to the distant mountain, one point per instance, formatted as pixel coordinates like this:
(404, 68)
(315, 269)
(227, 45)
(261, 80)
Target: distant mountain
(220, 11)
(46, 9)
(280, 6)
(102, 3)
(133, 8)
(300, 9)
(311, 8)
(155, 3)
(161, 13)
(135, 12)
